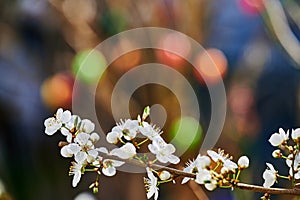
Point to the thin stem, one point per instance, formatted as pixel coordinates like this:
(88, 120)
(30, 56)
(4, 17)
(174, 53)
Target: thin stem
(142, 142)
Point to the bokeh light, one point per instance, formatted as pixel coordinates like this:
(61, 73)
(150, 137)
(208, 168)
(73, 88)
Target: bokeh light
(56, 91)
(183, 133)
(126, 62)
(211, 66)
(251, 7)
(178, 43)
(88, 65)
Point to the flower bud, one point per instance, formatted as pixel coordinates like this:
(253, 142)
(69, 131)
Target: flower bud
(164, 175)
(276, 153)
(243, 162)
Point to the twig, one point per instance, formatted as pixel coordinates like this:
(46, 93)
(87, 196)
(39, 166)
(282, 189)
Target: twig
(242, 186)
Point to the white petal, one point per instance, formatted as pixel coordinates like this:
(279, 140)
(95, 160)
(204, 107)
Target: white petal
(113, 137)
(66, 116)
(117, 163)
(243, 162)
(271, 167)
(125, 152)
(185, 180)
(64, 151)
(173, 159)
(51, 125)
(94, 137)
(275, 139)
(80, 157)
(73, 148)
(210, 186)
(153, 149)
(202, 161)
(87, 126)
(215, 156)
(102, 150)
(59, 113)
(109, 171)
(93, 153)
(82, 138)
(230, 164)
(76, 179)
(169, 148)
(296, 133)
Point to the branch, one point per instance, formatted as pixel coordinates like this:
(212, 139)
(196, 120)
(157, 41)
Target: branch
(242, 186)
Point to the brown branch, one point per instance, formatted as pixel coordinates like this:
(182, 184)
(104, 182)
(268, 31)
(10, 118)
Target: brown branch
(242, 186)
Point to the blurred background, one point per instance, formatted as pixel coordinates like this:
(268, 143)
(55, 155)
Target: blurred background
(253, 43)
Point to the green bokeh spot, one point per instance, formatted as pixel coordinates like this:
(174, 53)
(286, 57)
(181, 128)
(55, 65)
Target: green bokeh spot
(186, 136)
(88, 65)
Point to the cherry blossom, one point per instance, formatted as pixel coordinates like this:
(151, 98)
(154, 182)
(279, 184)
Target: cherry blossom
(296, 165)
(163, 151)
(164, 175)
(148, 130)
(151, 185)
(195, 166)
(86, 126)
(109, 166)
(76, 171)
(296, 134)
(277, 139)
(125, 152)
(228, 165)
(204, 177)
(53, 124)
(243, 162)
(69, 128)
(269, 175)
(127, 129)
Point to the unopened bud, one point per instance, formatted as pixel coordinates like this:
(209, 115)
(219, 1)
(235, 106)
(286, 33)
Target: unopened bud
(164, 175)
(277, 153)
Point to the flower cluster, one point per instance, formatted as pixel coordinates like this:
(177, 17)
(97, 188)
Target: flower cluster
(216, 170)
(129, 135)
(287, 148)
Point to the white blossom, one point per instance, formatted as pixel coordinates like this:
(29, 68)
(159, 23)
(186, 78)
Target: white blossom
(151, 185)
(204, 177)
(195, 166)
(148, 130)
(94, 137)
(296, 134)
(70, 150)
(164, 175)
(109, 166)
(296, 165)
(163, 151)
(269, 175)
(243, 162)
(76, 171)
(53, 124)
(277, 139)
(276, 153)
(86, 126)
(228, 165)
(83, 149)
(127, 129)
(217, 157)
(125, 152)
(69, 127)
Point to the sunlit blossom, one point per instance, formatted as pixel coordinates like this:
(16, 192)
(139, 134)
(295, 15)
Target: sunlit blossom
(277, 139)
